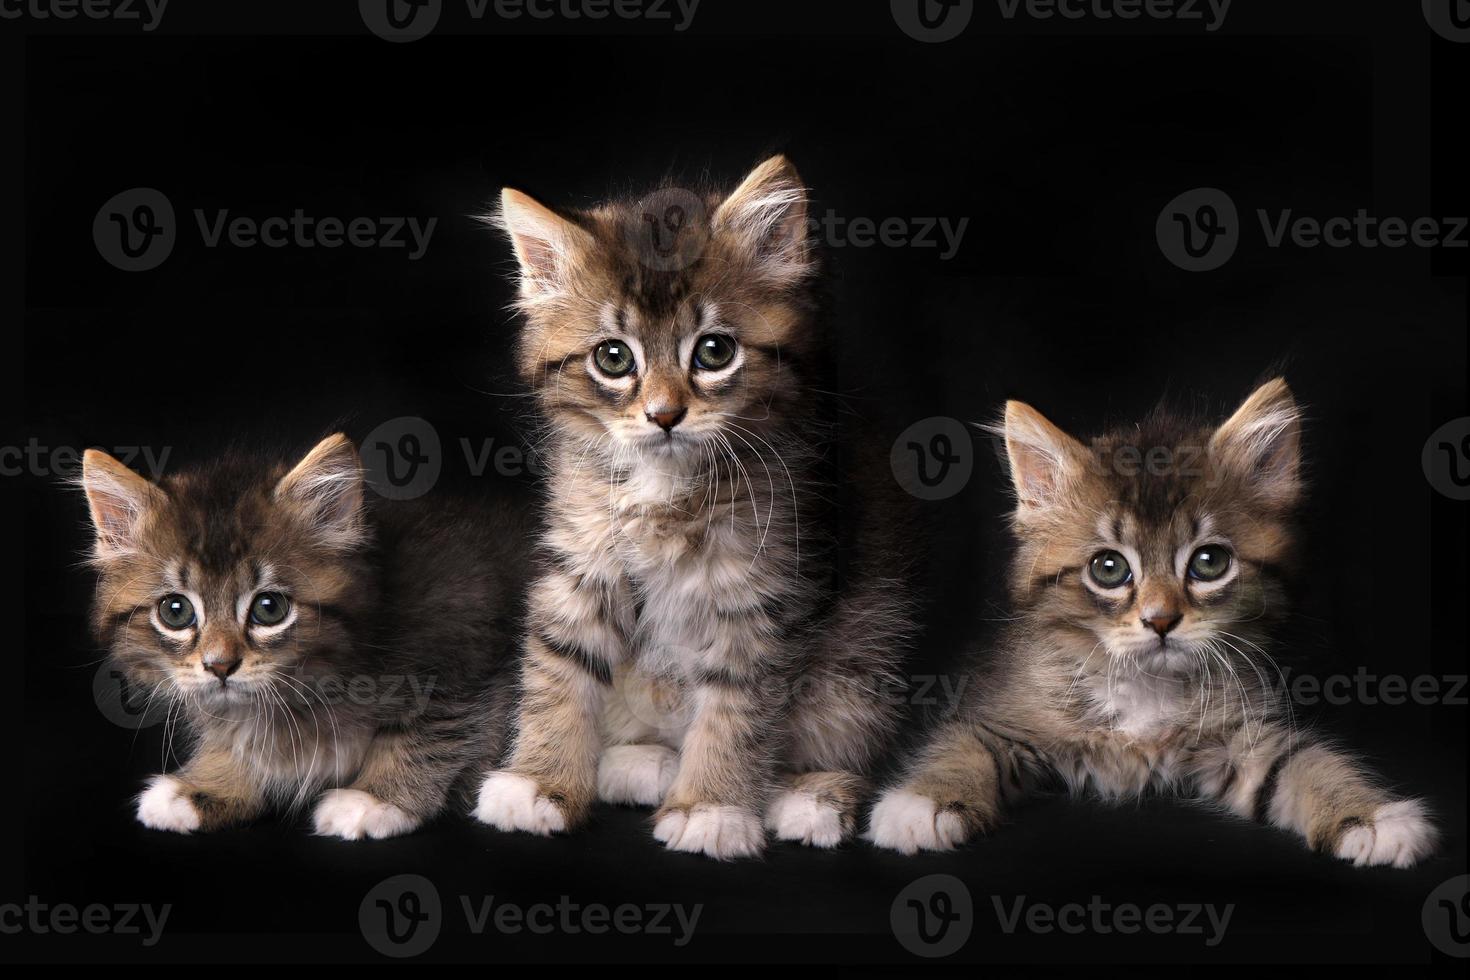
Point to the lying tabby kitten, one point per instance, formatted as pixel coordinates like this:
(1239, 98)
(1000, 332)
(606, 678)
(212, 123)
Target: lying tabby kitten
(694, 641)
(309, 642)
(1147, 576)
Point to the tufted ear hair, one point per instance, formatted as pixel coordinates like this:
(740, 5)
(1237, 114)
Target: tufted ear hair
(1044, 459)
(325, 491)
(547, 245)
(1261, 443)
(118, 499)
(767, 214)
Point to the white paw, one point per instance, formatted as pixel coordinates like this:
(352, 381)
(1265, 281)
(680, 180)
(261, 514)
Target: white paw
(908, 822)
(1400, 834)
(512, 802)
(802, 817)
(352, 814)
(723, 832)
(165, 805)
(636, 774)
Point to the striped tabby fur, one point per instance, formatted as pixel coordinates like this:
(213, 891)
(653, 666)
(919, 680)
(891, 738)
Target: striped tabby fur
(718, 619)
(387, 681)
(1161, 682)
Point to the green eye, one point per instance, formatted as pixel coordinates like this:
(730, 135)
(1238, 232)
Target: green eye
(269, 608)
(714, 351)
(176, 611)
(1209, 563)
(1110, 569)
(614, 358)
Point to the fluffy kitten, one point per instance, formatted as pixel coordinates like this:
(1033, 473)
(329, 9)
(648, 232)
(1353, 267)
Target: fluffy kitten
(1148, 574)
(720, 608)
(309, 642)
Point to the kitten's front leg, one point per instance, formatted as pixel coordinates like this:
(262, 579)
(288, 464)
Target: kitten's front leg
(573, 641)
(950, 793)
(1318, 792)
(405, 777)
(724, 770)
(211, 792)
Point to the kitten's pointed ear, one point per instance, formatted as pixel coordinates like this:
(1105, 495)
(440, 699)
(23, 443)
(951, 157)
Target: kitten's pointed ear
(1262, 442)
(767, 213)
(325, 491)
(118, 498)
(545, 243)
(1044, 459)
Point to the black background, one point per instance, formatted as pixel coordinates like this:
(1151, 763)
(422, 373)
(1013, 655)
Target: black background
(1060, 142)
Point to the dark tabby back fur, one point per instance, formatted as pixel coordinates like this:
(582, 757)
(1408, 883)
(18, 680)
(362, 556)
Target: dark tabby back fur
(389, 676)
(1159, 678)
(722, 602)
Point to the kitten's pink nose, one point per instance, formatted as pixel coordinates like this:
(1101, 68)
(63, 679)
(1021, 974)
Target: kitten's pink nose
(1164, 623)
(667, 418)
(222, 664)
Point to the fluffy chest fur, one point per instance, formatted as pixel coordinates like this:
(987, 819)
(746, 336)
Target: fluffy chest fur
(1135, 735)
(291, 755)
(678, 553)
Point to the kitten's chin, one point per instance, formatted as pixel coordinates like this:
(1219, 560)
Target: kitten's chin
(1161, 659)
(671, 446)
(216, 696)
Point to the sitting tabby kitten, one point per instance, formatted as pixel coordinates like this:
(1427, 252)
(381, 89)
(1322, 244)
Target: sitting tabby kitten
(695, 642)
(310, 643)
(1147, 576)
